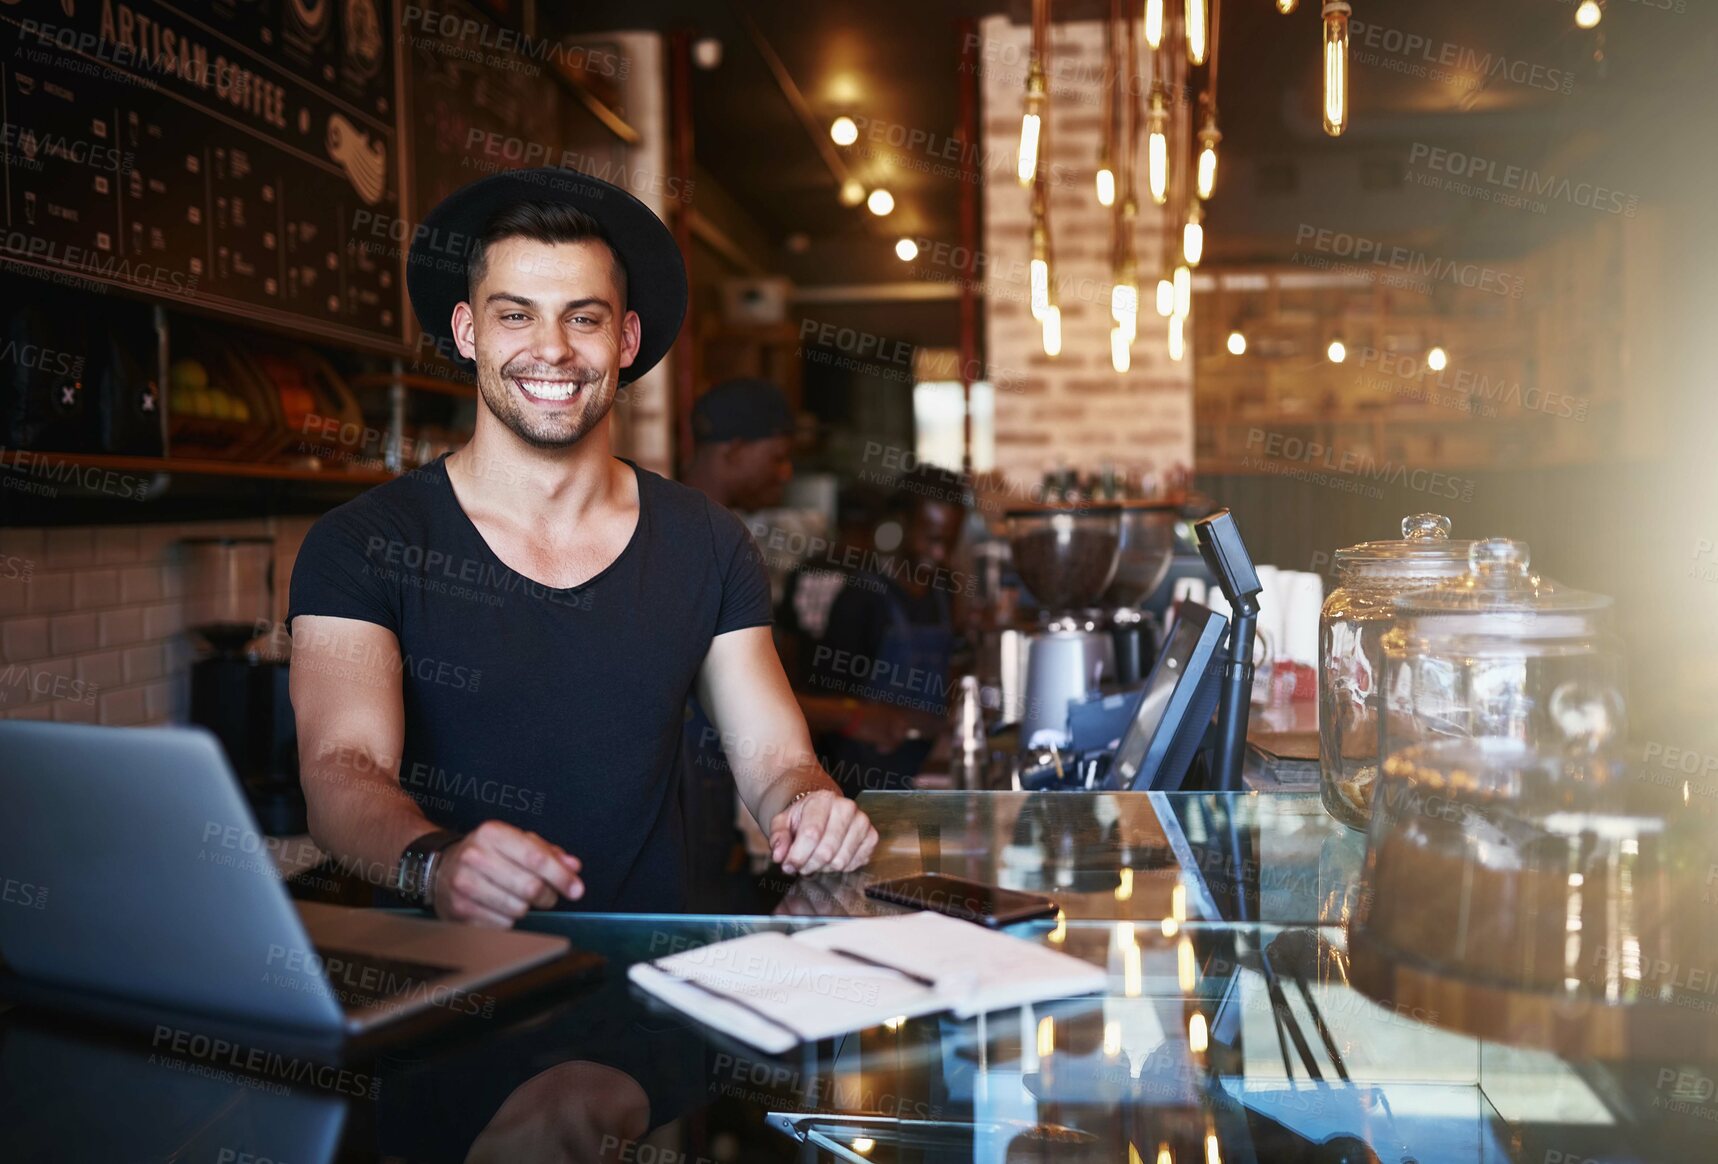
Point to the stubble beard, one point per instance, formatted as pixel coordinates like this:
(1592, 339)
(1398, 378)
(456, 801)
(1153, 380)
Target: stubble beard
(556, 430)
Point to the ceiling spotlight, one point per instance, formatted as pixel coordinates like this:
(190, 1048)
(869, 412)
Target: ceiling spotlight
(1337, 351)
(880, 202)
(906, 250)
(1589, 14)
(707, 52)
(1237, 344)
(852, 193)
(1437, 359)
(844, 131)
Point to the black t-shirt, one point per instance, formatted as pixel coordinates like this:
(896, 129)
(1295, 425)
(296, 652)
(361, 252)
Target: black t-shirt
(555, 710)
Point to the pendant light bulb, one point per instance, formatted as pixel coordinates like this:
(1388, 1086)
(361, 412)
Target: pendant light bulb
(1437, 359)
(1193, 237)
(1153, 24)
(1177, 337)
(1198, 32)
(1031, 124)
(1335, 66)
(1106, 185)
(1052, 331)
(1209, 136)
(1237, 344)
(1040, 288)
(1589, 14)
(1183, 291)
(1157, 148)
(1287, 6)
(1121, 350)
(1165, 298)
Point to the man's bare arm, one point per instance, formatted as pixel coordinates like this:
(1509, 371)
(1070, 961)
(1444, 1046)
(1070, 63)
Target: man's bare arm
(763, 733)
(348, 702)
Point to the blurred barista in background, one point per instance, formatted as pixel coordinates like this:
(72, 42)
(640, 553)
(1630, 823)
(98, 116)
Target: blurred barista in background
(882, 674)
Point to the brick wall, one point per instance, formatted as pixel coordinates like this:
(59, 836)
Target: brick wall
(1074, 409)
(92, 619)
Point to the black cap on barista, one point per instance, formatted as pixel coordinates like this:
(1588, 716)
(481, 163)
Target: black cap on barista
(741, 410)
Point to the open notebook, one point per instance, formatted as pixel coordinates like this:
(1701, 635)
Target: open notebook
(775, 990)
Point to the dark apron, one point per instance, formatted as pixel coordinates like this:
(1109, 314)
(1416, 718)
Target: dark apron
(918, 658)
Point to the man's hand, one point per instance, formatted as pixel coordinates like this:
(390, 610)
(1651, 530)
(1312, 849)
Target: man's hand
(497, 873)
(825, 832)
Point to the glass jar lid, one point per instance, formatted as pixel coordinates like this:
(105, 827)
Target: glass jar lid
(1498, 581)
(1424, 550)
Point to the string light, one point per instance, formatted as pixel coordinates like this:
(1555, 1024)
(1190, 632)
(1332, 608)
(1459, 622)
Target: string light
(1589, 14)
(844, 131)
(1437, 359)
(1183, 291)
(1335, 66)
(1154, 24)
(1337, 351)
(1237, 344)
(1165, 298)
(906, 250)
(1106, 185)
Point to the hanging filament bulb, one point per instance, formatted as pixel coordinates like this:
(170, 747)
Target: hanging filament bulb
(1183, 291)
(1177, 337)
(1193, 237)
(1106, 180)
(1031, 124)
(1157, 147)
(1197, 32)
(1335, 66)
(1165, 297)
(1039, 277)
(1052, 321)
(1153, 23)
(1208, 138)
(1287, 6)
(1121, 349)
(1589, 14)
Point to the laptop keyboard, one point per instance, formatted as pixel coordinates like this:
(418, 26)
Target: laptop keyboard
(360, 979)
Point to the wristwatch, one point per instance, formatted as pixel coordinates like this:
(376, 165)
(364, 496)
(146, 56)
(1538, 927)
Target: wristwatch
(414, 875)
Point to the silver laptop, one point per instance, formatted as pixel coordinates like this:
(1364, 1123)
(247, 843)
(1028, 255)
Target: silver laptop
(132, 868)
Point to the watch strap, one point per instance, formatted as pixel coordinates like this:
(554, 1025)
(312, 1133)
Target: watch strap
(414, 875)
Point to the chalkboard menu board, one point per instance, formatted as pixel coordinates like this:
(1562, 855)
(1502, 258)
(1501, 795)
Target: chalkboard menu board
(232, 154)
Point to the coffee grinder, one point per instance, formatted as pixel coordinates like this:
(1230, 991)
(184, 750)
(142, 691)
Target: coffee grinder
(1066, 557)
(238, 683)
(1147, 532)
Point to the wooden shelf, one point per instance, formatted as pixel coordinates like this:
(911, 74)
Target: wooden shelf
(200, 467)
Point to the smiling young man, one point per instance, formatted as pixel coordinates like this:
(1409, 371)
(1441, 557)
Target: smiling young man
(492, 654)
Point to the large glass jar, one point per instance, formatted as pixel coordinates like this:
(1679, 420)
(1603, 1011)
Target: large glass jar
(1355, 618)
(1499, 652)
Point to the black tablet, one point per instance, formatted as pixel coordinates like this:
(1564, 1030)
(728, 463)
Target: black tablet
(1179, 697)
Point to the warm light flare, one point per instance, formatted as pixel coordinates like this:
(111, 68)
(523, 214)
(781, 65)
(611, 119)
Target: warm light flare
(1589, 14)
(1437, 359)
(1183, 291)
(1046, 1035)
(1337, 351)
(1157, 149)
(1040, 288)
(844, 131)
(1106, 187)
(1165, 298)
(881, 202)
(906, 250)
(1154, 23)
(1193, 242)
(1121, 359)
(1198, 1034)
(1237, 344)
(1177, 337)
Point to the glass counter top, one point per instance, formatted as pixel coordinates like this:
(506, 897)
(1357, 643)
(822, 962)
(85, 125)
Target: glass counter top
(1127, 856)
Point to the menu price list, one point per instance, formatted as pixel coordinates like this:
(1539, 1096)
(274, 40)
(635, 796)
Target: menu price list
(200, 174)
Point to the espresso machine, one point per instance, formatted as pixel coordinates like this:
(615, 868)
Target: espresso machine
(239, 680)
(1066, 556)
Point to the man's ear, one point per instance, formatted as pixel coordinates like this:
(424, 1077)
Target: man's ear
(631, 335)
(465, 330)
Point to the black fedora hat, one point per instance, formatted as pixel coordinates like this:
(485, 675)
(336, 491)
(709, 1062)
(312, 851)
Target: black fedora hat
(655, 272)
